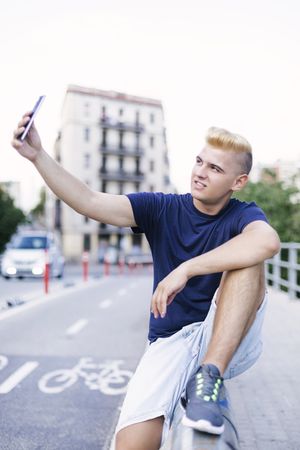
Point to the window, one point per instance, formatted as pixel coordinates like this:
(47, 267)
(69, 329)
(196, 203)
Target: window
(151, 141)
(151, 166)
(152, 118)
(121, 112)
(86, 242)
(86, 134)
(86, 109)
(87, 160)
(151, 188)
(86, 219)
(137, 117)
(103, 111)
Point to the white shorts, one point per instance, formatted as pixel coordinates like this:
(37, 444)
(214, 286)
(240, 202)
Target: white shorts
(167, 365)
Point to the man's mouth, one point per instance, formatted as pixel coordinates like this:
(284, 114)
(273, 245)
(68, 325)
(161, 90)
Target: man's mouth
(199, 184)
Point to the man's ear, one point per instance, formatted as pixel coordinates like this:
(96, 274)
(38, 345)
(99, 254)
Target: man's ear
(240, 182)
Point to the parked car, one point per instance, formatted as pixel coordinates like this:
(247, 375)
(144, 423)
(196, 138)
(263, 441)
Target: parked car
(25, 255)
(111, 255)
(139, 258)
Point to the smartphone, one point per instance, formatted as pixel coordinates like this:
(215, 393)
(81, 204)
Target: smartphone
(32, 116)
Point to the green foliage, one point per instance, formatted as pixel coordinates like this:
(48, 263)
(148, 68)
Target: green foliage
(280, 204)
(39, 209)
(10, 218)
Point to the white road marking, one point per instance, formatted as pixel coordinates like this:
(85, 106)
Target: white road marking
(105, 303)
(76, 327)
(122, 291)
(17, 377)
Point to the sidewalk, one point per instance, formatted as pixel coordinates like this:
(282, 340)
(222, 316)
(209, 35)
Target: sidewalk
(266, 399)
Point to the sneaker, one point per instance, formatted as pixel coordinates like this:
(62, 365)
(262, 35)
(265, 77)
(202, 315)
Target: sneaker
(202, 409)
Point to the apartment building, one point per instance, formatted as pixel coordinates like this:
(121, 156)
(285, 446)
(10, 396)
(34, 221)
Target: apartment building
(115, 143)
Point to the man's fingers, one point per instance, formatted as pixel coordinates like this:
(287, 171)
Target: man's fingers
(27, 114)
(161, 304)
(23, 121)
(154, 309)
(18, 131)
(16, 143)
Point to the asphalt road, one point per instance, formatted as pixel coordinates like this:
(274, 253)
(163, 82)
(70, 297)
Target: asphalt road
(65, 362)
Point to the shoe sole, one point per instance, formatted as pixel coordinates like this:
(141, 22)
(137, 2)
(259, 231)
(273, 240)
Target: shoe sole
(202, 425)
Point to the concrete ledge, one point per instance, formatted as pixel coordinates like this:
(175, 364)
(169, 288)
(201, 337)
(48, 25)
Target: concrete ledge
(184, 438)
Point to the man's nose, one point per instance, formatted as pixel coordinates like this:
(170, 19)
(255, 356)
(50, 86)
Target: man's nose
(201, 171)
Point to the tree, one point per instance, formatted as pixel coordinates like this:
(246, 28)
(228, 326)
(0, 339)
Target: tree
(280, 204)
(39, 210)
(10, 218)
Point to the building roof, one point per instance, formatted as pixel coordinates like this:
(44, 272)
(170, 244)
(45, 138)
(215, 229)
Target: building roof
(113, 95)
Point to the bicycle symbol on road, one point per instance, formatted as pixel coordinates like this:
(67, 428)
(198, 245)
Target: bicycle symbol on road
(106, 377)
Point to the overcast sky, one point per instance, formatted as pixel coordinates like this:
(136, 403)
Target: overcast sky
(227, 63)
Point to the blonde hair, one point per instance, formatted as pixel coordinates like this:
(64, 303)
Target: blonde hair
(225, 140)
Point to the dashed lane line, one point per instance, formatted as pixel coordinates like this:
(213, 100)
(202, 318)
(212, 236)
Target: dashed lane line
(11, 382)
(122, 291)
(105, 304)
(76, 327)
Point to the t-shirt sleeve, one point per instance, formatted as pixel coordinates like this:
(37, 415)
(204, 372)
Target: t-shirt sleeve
(147, 207)
(250, 212)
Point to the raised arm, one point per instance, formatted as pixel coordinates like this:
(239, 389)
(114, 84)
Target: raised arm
(106, 208)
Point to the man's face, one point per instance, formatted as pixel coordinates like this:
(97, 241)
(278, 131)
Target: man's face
(214, 175)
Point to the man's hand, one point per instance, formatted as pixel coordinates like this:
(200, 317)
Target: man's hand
(32, 145)
(167, 289)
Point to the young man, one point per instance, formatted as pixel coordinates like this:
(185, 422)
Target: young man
(208, 298)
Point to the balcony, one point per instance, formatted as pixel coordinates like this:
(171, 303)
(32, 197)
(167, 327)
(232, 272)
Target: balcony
(106, 229)
(124, 151)
(120, 175)
(107, 122)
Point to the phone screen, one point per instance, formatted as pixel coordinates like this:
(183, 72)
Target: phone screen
(32, 116)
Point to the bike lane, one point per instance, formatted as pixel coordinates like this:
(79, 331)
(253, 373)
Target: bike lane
(58, 401)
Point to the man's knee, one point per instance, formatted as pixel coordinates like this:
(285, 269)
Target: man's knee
(141, 436)
(249, 277)
(254, 274)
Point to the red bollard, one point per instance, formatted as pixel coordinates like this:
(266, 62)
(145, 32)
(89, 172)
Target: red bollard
(46, 272)
(106, 267)
(85, 265)
(121, 264)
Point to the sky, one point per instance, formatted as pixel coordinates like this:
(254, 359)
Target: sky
(227, 63)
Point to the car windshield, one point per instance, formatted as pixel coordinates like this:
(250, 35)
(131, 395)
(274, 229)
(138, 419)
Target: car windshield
(29, 242)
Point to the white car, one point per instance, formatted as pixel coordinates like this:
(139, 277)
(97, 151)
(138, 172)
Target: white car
(25, 255)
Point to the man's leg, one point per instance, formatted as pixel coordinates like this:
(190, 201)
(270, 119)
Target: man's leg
(240, 294)
(141, 436)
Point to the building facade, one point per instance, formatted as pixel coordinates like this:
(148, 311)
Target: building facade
(115, 143)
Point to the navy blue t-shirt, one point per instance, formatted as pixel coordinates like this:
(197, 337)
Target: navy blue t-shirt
(177, 231)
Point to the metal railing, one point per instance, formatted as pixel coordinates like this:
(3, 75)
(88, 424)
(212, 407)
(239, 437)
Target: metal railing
(120, 175)
(122, 151)
(108, 122)
(283, 270)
